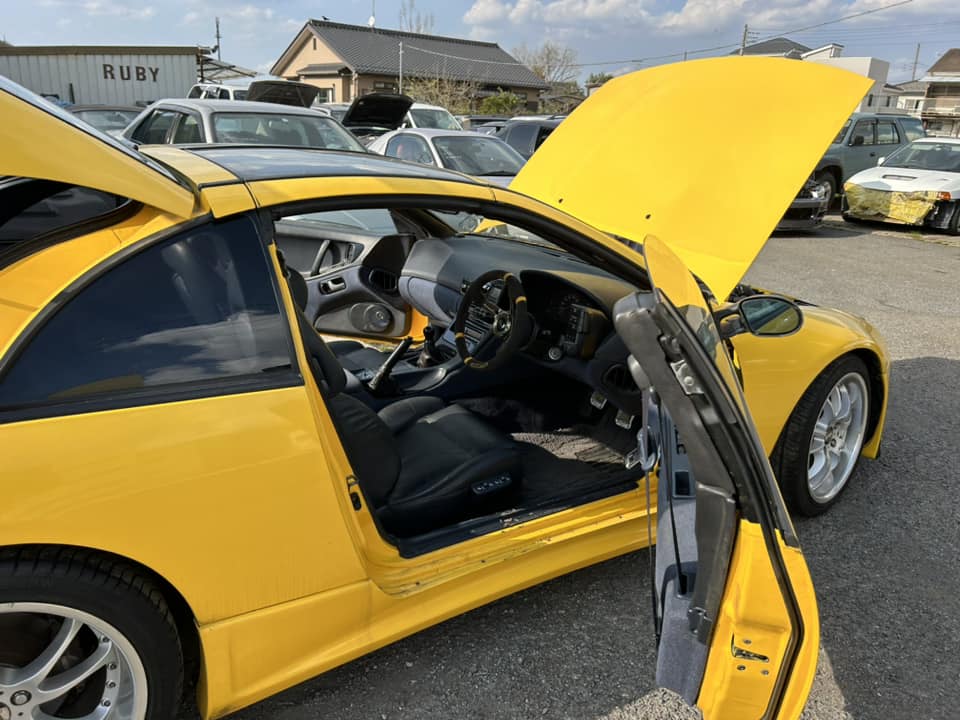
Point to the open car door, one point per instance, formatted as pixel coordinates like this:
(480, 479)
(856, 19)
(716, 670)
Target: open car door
(735, 608)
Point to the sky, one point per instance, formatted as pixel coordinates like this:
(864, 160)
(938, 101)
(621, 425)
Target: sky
(613, 36)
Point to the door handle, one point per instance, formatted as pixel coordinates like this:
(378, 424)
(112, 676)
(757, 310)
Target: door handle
(873, 154)
(333, 285)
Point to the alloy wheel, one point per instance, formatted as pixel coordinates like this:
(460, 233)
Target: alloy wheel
(837, 437)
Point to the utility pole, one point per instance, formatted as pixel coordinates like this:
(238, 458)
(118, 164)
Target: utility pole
(916, 60)
(218, 38)
(400, 90)
(743, 40)
(684, 55)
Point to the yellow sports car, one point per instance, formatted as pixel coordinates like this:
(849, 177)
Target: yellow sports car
(200, 490)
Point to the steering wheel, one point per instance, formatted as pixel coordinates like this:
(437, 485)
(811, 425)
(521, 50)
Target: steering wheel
(500, 299)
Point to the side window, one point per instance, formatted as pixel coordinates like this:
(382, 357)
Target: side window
(223, 94)
(543, 135)
(195, 92)
(521, 137)
(411, 148)
(887, 133)
(188, 130)
(153, 130)
(198, 307)
(864, 129)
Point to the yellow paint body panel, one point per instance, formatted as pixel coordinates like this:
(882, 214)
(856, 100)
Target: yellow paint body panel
(904, 208)
(754, 617)
(38, 143)
(713, 190)
(778, 370)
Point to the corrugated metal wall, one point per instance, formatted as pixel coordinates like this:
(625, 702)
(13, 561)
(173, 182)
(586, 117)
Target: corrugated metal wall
(103, 79)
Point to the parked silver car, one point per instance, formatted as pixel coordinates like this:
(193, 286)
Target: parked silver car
(468, 152)
(183, 121)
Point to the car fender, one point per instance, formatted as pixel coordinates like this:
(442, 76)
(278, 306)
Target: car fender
(778, 370)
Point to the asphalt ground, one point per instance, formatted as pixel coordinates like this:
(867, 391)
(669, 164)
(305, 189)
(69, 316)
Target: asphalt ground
(885, 560)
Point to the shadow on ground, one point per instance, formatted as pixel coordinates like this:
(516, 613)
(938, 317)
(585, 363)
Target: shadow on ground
(884, 561)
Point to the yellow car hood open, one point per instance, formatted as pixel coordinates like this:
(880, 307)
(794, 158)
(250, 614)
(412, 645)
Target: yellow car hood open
(707, 155)
(42, 141)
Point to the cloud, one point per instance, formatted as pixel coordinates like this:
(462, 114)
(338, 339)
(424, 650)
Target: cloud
(107, 8)
(486, 12)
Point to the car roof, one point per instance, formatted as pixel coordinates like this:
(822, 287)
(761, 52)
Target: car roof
(235, 106)
(437, 132)
(251, 163)
(124, 108)
(935, 139)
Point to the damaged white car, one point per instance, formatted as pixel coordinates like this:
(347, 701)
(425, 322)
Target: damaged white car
(919, 184)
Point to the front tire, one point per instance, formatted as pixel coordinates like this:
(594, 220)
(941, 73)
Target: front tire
(820, 446)
(83, 636)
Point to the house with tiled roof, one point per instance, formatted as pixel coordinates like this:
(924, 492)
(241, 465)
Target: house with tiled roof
(345, 61)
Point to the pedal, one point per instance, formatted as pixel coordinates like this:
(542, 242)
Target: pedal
(624, 420)
(598, 400)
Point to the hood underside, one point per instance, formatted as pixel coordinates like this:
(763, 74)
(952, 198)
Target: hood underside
(707, 155)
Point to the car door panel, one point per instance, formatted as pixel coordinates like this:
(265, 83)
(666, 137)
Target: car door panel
(352, 277)
(735, 608)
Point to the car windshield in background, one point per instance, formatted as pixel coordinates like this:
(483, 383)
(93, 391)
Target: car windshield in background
(373, 220)
(843, 131)
(941, 157)
(478, 155)
(104, 120)
(434, 118)
(280, 129)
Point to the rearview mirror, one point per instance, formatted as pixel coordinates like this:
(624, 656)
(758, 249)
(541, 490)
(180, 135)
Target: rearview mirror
(760, 315)
(857, 140)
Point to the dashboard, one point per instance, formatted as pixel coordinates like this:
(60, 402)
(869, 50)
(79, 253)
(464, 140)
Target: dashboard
(570, 301)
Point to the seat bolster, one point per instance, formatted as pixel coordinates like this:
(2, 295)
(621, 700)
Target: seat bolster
(402, 414)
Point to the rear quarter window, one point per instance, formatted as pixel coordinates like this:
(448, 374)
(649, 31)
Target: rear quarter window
(33, 208)
(199, 307)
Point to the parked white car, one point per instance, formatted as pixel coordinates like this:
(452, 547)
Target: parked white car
(919, 184)
(468, 152)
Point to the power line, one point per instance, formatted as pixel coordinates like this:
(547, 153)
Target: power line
(731, 46)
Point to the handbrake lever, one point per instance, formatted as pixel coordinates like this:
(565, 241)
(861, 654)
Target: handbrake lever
(383, 372)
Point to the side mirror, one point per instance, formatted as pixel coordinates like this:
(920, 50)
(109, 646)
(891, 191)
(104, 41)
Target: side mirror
(857, 140)
(760, 315)
(881, 159)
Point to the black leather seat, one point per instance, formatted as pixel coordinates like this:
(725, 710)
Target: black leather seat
(421, 464)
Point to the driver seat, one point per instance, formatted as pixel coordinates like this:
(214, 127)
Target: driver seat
(420, 464)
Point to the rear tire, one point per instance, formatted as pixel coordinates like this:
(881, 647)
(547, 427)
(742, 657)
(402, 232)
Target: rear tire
(954, 227)
(77, 610)
(817, 454)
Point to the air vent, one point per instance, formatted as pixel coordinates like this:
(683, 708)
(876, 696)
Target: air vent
(618, 377)
(385, 280)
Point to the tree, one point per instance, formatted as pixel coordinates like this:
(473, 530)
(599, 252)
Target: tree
(598, 78)
(414, 21)
(455, 95)
(552, 62)
(503, 103)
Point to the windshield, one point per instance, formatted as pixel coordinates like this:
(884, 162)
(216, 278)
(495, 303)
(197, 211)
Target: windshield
(941, 157)
(478, 155)
(434, 118)
(281, 129)
(105, 120)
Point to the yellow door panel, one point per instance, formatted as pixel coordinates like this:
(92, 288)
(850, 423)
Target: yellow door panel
(754, 633)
